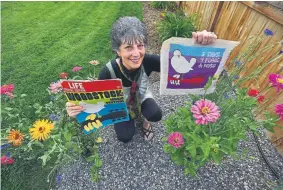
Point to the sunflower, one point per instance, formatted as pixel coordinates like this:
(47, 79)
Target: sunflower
(41, 129)
(15, 137)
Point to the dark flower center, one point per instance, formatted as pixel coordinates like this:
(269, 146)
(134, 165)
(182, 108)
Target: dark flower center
(16, 136)
(41, 129)
(176, 140)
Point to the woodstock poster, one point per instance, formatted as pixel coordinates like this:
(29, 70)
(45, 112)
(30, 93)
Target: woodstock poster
(186, 67)
(103, 101)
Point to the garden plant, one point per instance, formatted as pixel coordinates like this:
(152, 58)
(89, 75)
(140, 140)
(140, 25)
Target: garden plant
(211, 125)
(54, 136)
(176, 24)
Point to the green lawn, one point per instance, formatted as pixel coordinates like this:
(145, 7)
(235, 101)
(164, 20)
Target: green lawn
(41, 40)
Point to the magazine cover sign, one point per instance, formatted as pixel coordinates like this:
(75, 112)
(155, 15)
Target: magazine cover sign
(103, 101)
(186, 67)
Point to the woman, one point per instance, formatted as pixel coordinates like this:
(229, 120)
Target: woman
(133, 66)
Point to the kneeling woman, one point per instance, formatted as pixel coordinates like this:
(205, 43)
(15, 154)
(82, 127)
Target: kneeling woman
(133, 66)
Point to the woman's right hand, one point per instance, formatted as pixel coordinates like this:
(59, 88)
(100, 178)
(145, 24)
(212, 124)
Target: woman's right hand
(73, 110)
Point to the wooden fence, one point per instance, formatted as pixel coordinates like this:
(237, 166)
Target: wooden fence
(238, 21)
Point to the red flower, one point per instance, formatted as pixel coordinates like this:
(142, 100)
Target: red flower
(253, 92)
(6, 160)
(260, 98)
(63, 75)
(7, 88)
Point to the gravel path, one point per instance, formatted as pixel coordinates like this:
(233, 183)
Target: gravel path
(140, 165)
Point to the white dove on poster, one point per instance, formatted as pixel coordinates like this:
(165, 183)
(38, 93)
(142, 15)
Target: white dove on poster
(180, 64)
(92, 108)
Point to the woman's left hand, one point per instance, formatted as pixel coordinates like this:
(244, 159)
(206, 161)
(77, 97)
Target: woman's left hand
(204, 37)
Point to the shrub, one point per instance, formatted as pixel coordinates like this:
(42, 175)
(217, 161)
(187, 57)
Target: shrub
(167, 5)
(176, 25)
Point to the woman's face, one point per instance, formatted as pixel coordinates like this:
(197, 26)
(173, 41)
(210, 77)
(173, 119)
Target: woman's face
(132, 54)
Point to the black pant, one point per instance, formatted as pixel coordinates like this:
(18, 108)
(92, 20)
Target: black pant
(126, 130)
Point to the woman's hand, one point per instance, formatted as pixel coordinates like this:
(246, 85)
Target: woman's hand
(204, 37)
(73, 110)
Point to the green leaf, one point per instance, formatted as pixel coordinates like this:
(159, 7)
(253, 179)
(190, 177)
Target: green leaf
(45, 158)
(253, 126)
(90, 158)
(67, 136)
(23, 95)
(164, 139)
(8, 108)
(208, 84)
(187, 171)
(167, 148)
(192, 150)
(216, 157)
(205, 149)
(98, 163)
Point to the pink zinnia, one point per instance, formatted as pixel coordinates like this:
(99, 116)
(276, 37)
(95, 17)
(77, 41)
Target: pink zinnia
(76, 69)
(205, 111)
(176, 139)
(7, 88)
(277, 81)
(55, 87)
(279, 110)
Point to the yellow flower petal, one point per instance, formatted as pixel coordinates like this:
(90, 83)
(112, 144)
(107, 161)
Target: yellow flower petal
(99, 140)
(41, 129)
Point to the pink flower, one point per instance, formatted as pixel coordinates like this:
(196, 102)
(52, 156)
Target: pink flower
(63, 75)
(205, 111)
(277, 81)
(55, 87)
(76, 69)
(279, 110)
(176, 139)
(7, 88)
(6, 160)
(10, 95)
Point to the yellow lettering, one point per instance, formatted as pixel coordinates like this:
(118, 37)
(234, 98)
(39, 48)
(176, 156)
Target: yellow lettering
(86, 128)
(90, 126)
(91, 117)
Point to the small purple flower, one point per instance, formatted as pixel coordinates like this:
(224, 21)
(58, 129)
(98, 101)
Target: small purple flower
(8, 155)
(226, 95)
(53, 117)
(268, 32)
(238, 63)
(52, 97)
(59, 178)
(281, 51)
(5, 146)
(236, 77)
